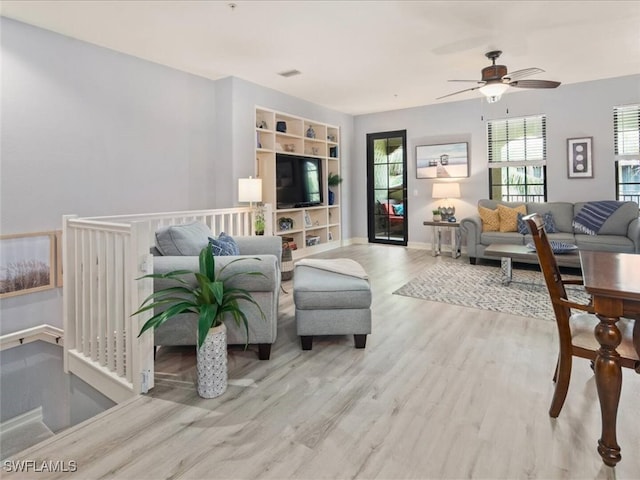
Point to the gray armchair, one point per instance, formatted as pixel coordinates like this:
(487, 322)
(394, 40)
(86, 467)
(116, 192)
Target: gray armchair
(189, 239)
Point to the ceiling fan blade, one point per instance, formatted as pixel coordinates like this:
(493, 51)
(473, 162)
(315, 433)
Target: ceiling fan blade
(460, 91)
(473, 81)
(525, 72)
(534, 84)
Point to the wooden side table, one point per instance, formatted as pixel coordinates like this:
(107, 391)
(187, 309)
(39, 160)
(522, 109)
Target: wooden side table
(436, 244)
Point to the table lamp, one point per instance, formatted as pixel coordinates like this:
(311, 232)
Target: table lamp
(250, 190)
(446, 191)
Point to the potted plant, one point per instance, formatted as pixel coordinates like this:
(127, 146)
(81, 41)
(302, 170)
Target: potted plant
(259, 222)
(333, 180)
(213, 300)
(437, 217)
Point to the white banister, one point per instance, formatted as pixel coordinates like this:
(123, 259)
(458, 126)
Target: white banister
(103, 258)
(44, 332)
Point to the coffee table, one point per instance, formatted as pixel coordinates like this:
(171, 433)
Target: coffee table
(508, 253)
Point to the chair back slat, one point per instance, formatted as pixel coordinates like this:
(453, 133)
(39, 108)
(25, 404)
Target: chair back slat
(549, 266)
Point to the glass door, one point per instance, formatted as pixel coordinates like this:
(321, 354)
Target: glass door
(387, 187)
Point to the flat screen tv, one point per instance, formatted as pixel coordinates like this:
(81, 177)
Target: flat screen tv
(298, 181)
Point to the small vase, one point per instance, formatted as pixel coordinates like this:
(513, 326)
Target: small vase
(332, 197)
(311, 133)
(437, 218)
(212, 363)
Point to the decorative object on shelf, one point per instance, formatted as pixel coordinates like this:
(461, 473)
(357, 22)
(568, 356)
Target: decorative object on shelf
(313, 240)
(285, 223)
(333, 152)
(281, 127)
(289, 147)
(258, 142)
(446, 191)
(331, 138)
(262, 124)
(579, 158)
(333, 180)
(315, 150)
(436, 215)
(250, 190)
(311, 133)
(213, 301)
(307, 220)
(330, 236)
(449, 160)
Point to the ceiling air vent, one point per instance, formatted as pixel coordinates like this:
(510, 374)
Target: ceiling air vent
(289, 73)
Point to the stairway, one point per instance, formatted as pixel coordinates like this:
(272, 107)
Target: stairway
(22, 432)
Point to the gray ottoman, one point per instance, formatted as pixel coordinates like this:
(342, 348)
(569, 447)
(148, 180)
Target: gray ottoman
(332, 297)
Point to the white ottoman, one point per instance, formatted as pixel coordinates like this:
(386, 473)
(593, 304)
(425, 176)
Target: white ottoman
(332, 297)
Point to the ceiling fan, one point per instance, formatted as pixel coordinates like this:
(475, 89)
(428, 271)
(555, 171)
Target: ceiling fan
(495, 79)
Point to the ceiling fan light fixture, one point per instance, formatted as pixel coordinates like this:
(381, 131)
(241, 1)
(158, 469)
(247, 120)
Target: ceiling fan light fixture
(494, 90)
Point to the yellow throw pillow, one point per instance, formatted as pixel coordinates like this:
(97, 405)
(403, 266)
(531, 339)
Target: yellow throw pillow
(490, 219)
(509, 217)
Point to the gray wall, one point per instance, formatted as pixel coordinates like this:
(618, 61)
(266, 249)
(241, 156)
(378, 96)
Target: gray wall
(576, 110)
(89, 131)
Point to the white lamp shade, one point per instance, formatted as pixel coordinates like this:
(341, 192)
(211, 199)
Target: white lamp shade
(494, 89)
(446, 190)
(249, 189)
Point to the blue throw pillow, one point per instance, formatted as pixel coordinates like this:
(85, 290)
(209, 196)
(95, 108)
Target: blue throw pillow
(522, 227)
(547, 218)
(224, 245)
(398, 209)
(549, 223)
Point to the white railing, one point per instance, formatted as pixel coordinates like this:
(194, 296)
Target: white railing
(102, 258)
(43, 333)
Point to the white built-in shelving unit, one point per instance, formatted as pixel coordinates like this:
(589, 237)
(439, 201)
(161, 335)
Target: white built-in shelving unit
(322, 228)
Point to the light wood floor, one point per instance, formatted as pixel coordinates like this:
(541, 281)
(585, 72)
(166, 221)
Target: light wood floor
(439, 392)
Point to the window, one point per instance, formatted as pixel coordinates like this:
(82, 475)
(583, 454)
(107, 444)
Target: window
(626, 137)
(517, 159)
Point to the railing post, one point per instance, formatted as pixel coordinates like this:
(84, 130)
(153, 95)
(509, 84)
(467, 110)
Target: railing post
(140, 349)
(69, 316)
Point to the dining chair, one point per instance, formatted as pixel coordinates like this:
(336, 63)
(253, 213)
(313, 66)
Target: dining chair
(575, 331)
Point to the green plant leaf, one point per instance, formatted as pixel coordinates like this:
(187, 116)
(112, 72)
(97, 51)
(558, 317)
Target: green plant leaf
(206, 321)
(207, 262)
(165, 315)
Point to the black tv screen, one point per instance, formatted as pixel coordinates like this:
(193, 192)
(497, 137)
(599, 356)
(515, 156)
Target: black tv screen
(298, 181)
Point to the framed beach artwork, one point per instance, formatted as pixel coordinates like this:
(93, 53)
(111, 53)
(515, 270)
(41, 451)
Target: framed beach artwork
(446, 160)
(579, 157)
(27, 263)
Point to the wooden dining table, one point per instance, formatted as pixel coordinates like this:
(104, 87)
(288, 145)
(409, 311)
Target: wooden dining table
(613, 280)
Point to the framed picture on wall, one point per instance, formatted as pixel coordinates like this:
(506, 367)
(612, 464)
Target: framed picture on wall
(447, 160)
(27, 263)
(579, 157)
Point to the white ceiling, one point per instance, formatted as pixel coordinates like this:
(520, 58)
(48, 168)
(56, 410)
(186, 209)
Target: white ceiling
(357, 56)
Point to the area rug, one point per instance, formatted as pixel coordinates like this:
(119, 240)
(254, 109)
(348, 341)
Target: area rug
(479, 286)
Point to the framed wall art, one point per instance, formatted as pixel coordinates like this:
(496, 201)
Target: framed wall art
(579, 157)
(447, 160)
(27, 263)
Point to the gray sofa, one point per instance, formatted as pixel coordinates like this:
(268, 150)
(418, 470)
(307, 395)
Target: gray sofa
(620, 232)
(177, 248)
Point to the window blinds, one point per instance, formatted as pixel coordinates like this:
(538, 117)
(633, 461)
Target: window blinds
(517, 139)
(626, 130)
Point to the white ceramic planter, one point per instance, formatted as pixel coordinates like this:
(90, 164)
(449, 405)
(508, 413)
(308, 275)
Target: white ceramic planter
(212, 363)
